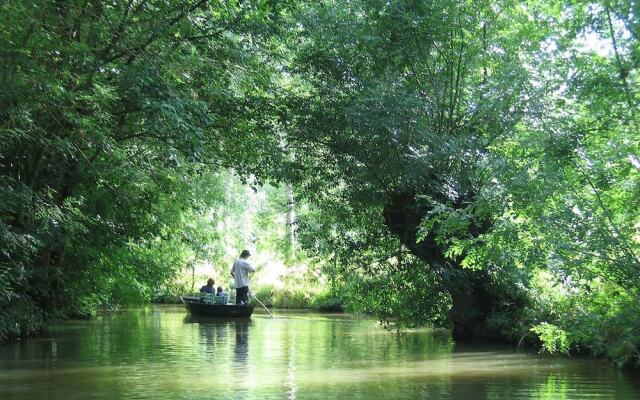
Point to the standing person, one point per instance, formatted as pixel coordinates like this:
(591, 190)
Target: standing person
(240, 272)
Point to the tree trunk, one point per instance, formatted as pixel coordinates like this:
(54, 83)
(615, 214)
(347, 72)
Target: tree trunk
(473, 293)
(472, 305)
(291, 220)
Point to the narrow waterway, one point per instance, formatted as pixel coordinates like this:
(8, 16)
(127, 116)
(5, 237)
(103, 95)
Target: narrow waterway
(159, 352)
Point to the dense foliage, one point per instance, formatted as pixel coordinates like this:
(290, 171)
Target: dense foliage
(116, 120)
(498, 144)
(468, 164)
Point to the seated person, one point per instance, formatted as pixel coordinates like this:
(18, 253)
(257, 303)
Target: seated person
(207, 290)
(221, 296)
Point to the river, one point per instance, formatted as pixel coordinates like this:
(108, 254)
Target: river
(159, 352)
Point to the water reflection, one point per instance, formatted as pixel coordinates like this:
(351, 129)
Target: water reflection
(290, 383)
(241, 349)
(295, 356)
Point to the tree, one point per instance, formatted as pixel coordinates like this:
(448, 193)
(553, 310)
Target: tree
(111, 116)
(404, 99)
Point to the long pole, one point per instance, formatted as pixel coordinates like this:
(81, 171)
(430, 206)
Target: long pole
(265, 307)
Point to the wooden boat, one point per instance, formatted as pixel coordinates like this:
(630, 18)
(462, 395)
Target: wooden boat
(196, 307)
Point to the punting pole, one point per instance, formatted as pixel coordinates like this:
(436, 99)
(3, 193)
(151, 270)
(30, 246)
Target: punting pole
(265, 307)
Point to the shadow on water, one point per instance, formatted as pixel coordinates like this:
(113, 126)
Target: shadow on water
(204, 320)
(216, 331)
(227, 339)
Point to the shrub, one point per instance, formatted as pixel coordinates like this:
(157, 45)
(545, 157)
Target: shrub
(327, 301)
(19, 318)
(554, 339)
(296, 298)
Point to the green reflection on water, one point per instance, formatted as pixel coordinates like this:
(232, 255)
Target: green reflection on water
(162, 353)
(554, 388)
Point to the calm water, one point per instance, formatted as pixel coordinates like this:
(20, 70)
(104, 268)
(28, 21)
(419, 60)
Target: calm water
(158, 352)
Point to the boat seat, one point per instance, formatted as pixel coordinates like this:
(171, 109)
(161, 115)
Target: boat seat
(207, 298)
(222, 299)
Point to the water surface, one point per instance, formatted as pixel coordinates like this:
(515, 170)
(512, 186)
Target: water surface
(159, 352)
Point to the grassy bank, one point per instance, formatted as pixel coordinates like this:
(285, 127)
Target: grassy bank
(298, 296)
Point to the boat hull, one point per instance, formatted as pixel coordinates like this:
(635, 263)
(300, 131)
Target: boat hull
(195, 307)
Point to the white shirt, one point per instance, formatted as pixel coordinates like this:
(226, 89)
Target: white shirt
(240, 270)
